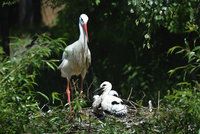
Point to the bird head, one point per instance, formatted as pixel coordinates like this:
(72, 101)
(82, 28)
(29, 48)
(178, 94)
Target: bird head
(83, 19)
(104, 87)
(113, 93)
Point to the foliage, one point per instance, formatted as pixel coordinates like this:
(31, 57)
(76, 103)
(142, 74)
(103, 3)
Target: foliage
(7, 2)
(175, 16)
(191, 53)
(18, 76)
(181, 112)
(178, 112)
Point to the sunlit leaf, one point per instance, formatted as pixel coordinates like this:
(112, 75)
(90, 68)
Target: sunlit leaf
(43, 95)
(55, 96)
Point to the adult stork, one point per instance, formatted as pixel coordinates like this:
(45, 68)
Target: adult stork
(76, 57)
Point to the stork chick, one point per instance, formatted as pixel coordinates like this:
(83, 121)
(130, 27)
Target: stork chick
(108, 101)
(76, 57)
(97, 101)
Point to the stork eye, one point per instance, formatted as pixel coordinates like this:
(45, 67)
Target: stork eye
(103, 85)
(115, 95)
(81, 20)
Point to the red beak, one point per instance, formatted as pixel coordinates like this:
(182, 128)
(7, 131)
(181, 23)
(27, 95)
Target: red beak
(85, 30)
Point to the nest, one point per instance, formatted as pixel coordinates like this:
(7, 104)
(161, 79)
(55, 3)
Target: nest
(136, 116)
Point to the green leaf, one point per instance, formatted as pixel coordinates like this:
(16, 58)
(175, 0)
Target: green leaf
(43, 95)
(55, 96)
(181, 51)
(171, 72)
(191, 56)
(52, 66)
(196, 48)
(171, 50)
(97, 2)
(183, 83)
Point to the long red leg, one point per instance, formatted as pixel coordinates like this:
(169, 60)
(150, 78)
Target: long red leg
(68, 93)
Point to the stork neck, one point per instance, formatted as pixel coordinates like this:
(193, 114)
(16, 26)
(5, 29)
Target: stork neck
(82, 37)
(106, 91)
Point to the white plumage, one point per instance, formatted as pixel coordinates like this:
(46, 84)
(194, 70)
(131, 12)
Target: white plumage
(113, 105)
(76, 57)
(97, 101)
(109, 101)
(106, 87)
(113, 93)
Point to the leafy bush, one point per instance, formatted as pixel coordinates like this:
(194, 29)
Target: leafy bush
(181, 111)
(175, 16)
(178, 112)
(17, 76)
(191, 53)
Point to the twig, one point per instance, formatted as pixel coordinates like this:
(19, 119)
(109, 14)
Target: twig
(44, 106)
(88, 89)
(135, 104)
(130, 94)
(158, 100)
(75, 84)
(144, 95)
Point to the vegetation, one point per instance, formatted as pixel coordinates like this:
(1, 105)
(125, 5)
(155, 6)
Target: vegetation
(148, 49)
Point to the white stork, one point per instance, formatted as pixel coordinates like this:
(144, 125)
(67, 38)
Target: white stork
(113, 93)
(109, 101)
(76, 57)
(97, 101)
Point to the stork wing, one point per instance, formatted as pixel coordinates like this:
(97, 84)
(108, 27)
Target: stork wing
(88, 60)
(65, 55)
(67, 52)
